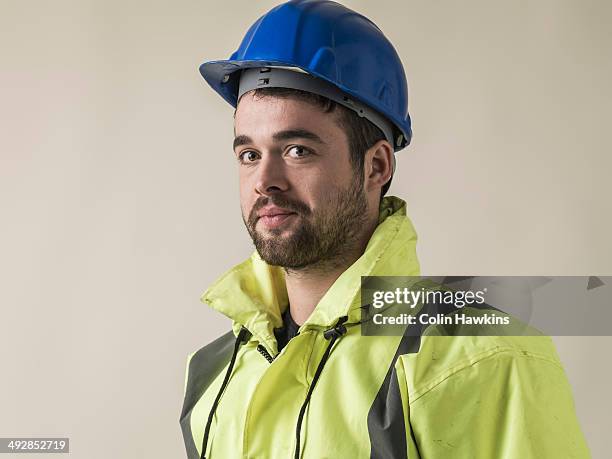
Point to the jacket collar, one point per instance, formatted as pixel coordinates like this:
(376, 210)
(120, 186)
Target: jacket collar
(253, 293)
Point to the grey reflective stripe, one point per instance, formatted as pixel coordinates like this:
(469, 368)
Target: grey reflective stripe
(386, 422)
(204, 367)
(386, 417)
(386, 425)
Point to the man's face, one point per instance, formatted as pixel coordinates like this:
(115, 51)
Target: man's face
(302, 202)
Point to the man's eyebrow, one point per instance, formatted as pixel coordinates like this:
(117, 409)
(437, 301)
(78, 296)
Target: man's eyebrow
(282, 135)
(241, 140)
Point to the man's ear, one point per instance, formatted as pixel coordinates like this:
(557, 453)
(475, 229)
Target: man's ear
(378, 165)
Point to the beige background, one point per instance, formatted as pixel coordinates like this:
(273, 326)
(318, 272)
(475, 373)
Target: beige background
(119, 195)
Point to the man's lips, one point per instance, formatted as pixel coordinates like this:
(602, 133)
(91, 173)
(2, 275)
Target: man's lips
(271, 211)
(274, 217)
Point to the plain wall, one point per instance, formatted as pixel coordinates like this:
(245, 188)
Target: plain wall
(119, 193)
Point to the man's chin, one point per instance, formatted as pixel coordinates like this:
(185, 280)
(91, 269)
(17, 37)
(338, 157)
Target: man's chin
(275, 247)
(280, 259)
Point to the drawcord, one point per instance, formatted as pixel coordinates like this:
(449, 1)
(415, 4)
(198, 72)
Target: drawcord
(243, 336)
(332, 335)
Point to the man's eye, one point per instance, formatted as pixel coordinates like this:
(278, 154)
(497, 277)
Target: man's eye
(247, 156)
(298, 151)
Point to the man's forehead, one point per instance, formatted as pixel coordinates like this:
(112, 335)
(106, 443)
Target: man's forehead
(282, 118)
(273, 105)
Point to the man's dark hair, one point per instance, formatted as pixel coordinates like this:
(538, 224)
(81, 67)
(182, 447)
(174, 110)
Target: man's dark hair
(360, 132)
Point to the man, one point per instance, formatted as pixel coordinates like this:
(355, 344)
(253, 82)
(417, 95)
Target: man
(321, 107)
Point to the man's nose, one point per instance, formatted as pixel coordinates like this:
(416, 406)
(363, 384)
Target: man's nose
(271, 175)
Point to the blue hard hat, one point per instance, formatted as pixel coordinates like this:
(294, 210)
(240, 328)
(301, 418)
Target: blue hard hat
(330, 42)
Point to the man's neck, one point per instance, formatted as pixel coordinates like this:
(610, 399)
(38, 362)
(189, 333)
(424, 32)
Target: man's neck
(306, 287)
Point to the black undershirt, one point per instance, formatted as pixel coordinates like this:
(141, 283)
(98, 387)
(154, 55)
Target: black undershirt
(287, 331)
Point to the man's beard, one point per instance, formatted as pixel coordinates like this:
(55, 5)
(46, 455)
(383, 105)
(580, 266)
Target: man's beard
(318, 240)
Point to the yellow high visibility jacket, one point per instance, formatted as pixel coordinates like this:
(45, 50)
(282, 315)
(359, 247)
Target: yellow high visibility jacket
(333, 393)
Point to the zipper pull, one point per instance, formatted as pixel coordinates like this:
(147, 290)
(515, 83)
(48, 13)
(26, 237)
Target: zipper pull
(263, 351)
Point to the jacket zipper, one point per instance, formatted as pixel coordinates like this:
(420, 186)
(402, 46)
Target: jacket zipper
(263, 351)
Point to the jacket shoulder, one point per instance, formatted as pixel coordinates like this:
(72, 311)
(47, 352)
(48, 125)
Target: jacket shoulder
(515, 386)
(441, 357)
